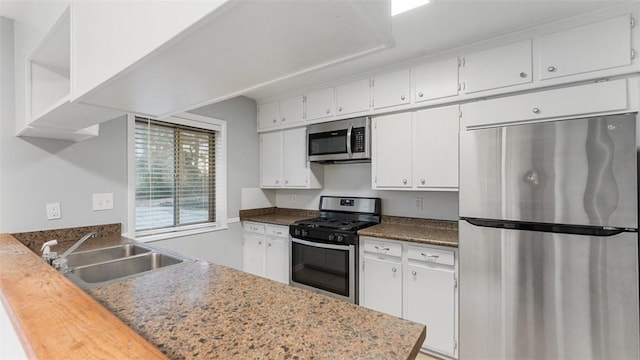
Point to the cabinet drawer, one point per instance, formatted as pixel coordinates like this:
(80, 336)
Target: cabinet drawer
(383, 247)
(432, 255)
(253, 227)
(578, 100)
(277, 231)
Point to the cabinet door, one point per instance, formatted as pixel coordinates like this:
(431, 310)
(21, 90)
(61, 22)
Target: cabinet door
(391, 89)
(435, 148)
(253, 254)
(571, 101)
(277, 259)
(291, 110)
(436, 80)
(430, 301)
(268, 114)
(392, 151)
(498, 67)
(353, 97)
(382, 285)
(599, 46)
(319, 104)
(296, 167)
(271, 159)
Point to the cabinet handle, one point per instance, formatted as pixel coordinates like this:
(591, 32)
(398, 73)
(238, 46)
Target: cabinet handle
(414, 273)
(328, 111)
(340, 108)
(382, 248)
(268, 244)
(284, 119)
(430, 256)
(536, 110)
(286, 181)
(404, 181)
(402, 97)
(420, 94)
(422, 181)
(259, 242)
(523, 75)
(394, 270)
(278, 232)
(277, 181)
(551, 69)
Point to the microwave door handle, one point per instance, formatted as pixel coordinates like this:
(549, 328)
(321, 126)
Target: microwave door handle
(349, 141)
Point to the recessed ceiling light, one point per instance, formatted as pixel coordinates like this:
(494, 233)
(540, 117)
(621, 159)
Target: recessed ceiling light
(400, 6)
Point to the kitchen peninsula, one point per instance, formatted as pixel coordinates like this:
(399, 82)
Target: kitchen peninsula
(194, 310)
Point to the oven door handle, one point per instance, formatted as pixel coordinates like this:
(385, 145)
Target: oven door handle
(349, 131)
(321, 245)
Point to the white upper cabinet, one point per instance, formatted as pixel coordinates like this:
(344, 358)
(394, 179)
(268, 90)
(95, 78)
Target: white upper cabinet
(292, 110)
(391, 89)
(319, 104)
(353, 97)
(391, 155)
(296, 166)
(435, 148)
(498, 67)
(271, 160)
(598, 46)
(283, 161)
(588, 99)
(436, 80)
(268, 115)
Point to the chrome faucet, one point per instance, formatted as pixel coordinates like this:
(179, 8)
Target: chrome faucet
(60, 263)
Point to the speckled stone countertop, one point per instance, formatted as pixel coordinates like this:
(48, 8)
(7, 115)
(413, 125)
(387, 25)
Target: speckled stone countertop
(425, 231)
(277, 216)
(201, 310)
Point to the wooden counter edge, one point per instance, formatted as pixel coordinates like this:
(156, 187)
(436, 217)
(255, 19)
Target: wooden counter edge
(53, 318)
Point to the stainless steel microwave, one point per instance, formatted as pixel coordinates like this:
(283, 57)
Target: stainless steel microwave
(341, 140)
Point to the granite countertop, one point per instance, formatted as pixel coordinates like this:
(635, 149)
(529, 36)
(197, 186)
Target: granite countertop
(202, 310)
(424, 231)
(277, 216)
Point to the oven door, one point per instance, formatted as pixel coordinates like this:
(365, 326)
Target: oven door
(340, 140)
(325, 268)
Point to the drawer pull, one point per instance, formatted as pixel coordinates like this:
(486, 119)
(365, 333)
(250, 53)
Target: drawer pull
(551, 68)
(402, 97)
(382, 248)
(523, 75)
(414, 273)
(430, 256)
(536, 110)
(278, 232)
(394, 270)
(420, 94)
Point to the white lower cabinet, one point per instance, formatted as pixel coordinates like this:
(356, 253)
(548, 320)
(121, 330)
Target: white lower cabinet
(265, 251)
(416, 282)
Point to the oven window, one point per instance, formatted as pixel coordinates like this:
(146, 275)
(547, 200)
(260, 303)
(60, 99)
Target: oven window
(332, 142)
(325, 269)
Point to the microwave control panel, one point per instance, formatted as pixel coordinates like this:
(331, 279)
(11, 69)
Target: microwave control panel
(357, 140)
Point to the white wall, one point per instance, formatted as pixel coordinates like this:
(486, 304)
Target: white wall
(355, 180)
(6, 90)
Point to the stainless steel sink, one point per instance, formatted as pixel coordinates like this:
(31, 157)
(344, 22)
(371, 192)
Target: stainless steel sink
(120, 268)
(103, 266)
(88, 257)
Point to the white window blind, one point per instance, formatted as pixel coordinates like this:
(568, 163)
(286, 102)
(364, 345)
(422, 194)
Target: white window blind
(175, 176)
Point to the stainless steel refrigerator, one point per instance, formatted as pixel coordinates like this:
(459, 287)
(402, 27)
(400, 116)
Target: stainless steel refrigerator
(549, 240)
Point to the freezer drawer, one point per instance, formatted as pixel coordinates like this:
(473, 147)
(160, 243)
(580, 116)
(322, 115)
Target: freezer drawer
(540, 295)
(580, 172)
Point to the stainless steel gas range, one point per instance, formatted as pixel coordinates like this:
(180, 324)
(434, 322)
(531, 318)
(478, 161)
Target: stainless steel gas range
(324, 250)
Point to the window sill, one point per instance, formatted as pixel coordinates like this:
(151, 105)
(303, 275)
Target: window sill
(179, 233)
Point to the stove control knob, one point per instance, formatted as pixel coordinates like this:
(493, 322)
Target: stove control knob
(304, 232)
(339, 238)
(331, 237)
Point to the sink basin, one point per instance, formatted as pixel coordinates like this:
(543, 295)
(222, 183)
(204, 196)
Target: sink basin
(83, 258)
(124, 267)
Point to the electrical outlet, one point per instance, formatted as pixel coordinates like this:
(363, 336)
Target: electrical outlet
(53, 211)
(102, 201)
(417, 203)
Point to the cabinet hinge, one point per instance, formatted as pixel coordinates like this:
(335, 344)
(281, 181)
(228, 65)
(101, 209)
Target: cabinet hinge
(632, 22)
(459, 114)
(455, 281)
(459, 86)
(375, 180)
(455, 345)
(304, 98)
(633, 54)
(459, 62)
(462, 62)
(372, 82)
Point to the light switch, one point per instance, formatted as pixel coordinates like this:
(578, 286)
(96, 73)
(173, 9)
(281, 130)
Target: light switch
(102, 201)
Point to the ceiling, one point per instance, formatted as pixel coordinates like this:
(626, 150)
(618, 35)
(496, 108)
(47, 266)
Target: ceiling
(441, 25)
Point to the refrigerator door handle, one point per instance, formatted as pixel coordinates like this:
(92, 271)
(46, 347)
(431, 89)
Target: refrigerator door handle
(553, 228)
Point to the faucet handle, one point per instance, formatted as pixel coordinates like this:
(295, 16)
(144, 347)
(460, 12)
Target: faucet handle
(47, 255)
(60, 264)
(45, 247)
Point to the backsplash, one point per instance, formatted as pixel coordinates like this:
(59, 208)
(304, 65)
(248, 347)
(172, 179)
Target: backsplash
(34, 239)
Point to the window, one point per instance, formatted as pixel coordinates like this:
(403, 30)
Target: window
(177, 167)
